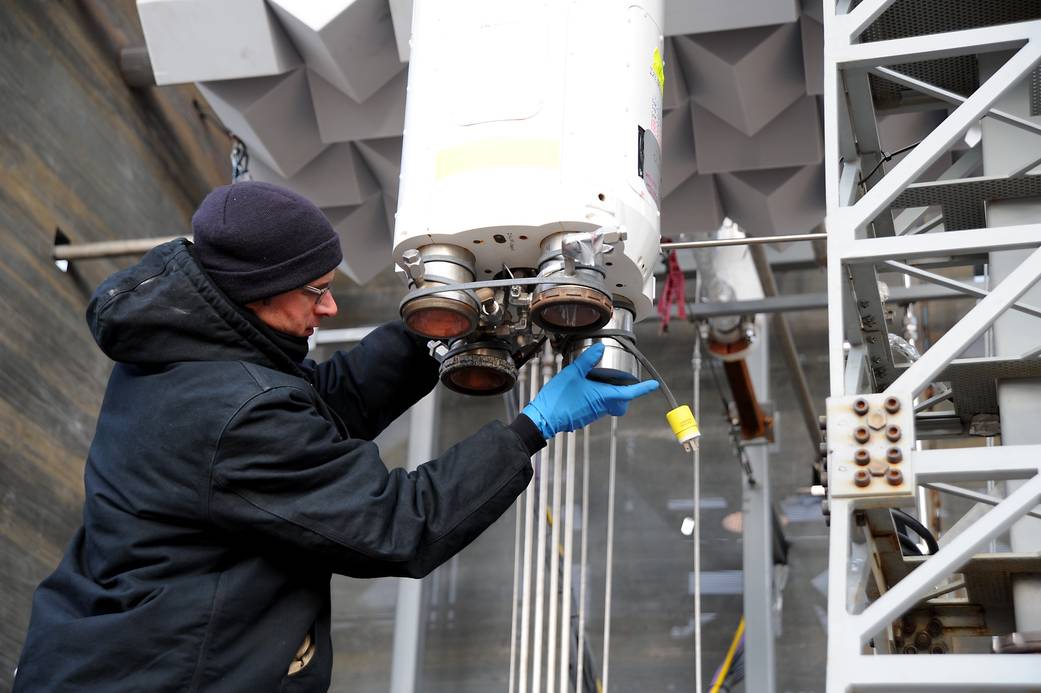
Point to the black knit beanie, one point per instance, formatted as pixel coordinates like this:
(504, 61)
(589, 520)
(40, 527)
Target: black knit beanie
(257, 240)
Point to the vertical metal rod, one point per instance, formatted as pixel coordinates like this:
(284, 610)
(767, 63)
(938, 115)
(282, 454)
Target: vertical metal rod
(992, 490)
(612, 463)
(513, 408)
(836, 296)
(569, 533)
(791, 355)
(554, 562)
(988, 351)
(583, 555)
(696, 459)
(529, 508)
(517, 568)
(540, 551)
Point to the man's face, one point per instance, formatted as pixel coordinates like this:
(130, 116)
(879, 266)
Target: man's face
(299, 311)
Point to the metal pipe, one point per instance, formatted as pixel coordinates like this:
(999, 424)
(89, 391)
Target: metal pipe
(529, 509)
(751, 240)
(554, 561)
(612, 464)
(696, 459)
(791, 356)
(106, 249)
(787, 303)
(569, 531)
(540, 550)
(512, 404)
(583, 555)
(517, 540)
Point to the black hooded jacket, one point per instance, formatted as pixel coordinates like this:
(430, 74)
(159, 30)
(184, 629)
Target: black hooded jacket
(225, 483)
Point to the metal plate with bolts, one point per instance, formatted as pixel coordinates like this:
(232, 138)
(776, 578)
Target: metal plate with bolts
(870, 443)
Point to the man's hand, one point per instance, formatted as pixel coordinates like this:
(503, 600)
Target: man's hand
(571, 400)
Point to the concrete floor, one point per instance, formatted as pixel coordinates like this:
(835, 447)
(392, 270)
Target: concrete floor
(651, 636)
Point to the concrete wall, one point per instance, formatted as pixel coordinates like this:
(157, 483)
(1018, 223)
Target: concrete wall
(81, 152)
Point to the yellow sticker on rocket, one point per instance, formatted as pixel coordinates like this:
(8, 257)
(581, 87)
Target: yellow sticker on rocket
(658, 66)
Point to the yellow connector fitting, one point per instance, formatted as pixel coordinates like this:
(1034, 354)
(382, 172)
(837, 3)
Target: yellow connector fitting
(684, 427)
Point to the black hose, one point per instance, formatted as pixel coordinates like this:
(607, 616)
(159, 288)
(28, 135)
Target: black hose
(630, 346)
(902, 520)
(908, 545)
(626, 341)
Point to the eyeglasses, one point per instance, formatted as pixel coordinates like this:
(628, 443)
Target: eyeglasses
(319, 293)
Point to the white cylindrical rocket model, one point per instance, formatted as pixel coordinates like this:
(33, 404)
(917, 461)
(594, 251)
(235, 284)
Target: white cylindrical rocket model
(532, 148)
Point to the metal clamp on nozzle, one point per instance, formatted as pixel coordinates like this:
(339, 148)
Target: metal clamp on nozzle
(412, 263)
(446, 315)
(569, 309)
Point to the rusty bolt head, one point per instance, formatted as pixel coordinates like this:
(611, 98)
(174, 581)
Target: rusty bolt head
(934, 627)
(923, 640)
(894, 477)
(862, 457)
(938, 648)
(861, 434)
(894, 455)
(893, 433)
(907, 627)
(892, 405)
(861, 478)
(910, 649)
(860, 406)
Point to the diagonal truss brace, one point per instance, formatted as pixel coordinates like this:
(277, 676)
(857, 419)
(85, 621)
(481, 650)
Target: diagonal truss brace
(966, 289)
(972, 325)
(919, 582)
(954, 126)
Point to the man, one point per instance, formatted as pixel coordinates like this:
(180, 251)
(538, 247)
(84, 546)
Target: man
(229, 477)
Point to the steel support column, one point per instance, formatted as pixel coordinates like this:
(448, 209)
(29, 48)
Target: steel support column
(1005, 144)
(758, 555)
(859, 619)
(410, 613)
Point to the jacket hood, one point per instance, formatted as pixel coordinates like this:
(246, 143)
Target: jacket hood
(166, 309)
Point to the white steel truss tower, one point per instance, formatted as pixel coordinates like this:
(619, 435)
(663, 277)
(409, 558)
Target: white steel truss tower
(898, 622)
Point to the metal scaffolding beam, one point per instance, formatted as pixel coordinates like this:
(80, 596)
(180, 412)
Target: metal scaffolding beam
(867, 596)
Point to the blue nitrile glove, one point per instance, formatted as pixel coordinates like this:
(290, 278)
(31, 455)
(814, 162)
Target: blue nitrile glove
(570, 400)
